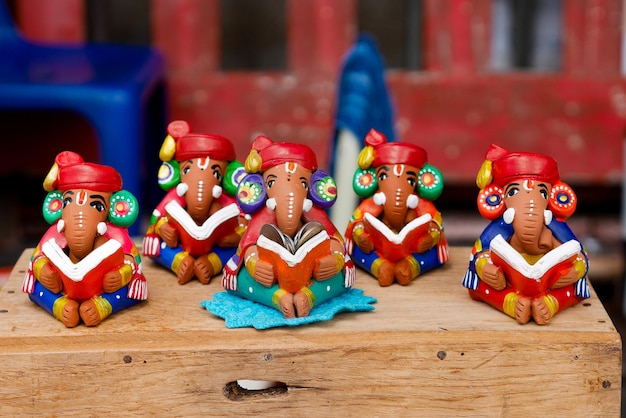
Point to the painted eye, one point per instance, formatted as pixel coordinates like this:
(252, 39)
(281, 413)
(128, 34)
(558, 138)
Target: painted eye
(270, 183)
(305, 185)
(544, 194)
(411, 181)
(217, 175)
(186, 170)
(98, 206)
(67, 201)
(512, 192)
(382, 176)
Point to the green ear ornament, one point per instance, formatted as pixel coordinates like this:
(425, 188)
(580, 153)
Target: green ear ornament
(364, 182)
(52, 206)
(169, 175)
(430, 182)
(235, 172)
(124, 209)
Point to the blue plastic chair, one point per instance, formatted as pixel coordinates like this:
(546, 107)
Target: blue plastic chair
(114, 87)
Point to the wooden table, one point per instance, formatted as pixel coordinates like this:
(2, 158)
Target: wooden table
(426, 350)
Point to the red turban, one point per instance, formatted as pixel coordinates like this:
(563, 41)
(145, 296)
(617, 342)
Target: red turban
(204, 145)
(194, 145)
(74, 173)
(508, 166)
(394, 152)
(275, 153)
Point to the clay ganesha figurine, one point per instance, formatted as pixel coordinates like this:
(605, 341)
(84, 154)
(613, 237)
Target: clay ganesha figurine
(397, 230)
(195, 229)
(86, 266)
(527, 262)
(291, 256)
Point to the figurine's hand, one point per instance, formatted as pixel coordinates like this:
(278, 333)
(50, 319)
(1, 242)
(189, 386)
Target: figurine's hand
(364, 242)
(263, 273)
(112, 281)
(50, 279)
(431, 239)
(169, 235)
(326, 267)
(493, 276)
(229, 240)
(568, 276)
(151, 245)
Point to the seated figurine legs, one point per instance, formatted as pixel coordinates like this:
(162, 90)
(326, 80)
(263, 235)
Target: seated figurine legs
(505, 300)
(406, 270)
(94, 310)
(205, 267)
(66, 310)
(184, 269)
(383, 270)
(286, 305)
(523, 308)
(303, 300)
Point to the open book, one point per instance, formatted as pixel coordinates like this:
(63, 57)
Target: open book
(396, 246)
(533, 279)
(83, 280)
(200, 238)
(294, 258)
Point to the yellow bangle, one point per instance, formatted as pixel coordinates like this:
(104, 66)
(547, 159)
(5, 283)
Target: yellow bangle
(127, 273)
(251, 263)
(158, 224)
(38, 265)
(340, 260)
(482, 259)
(357, 231)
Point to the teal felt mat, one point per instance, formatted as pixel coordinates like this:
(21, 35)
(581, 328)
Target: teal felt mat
(239, 313)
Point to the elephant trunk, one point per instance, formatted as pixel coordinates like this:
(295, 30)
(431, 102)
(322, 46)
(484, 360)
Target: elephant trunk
(199, 197)
(289, 210)
(395, 209)
(530, 233)
(80, 235)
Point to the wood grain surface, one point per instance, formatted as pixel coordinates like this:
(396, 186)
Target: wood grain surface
(426, 350)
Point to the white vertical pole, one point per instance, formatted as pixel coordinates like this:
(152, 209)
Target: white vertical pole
(346, 155)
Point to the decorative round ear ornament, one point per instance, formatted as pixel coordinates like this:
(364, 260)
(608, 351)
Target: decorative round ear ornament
(364, 182)
(562, 200)
(52, 206)
(490, 202)
(124, 209)
(235, 172)
(323, 189)
(251, 193)
(429, 182)
(169, 175)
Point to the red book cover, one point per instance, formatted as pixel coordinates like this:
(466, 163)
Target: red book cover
(396, 246)
(199, 239)
(533, 279)
(83, 280)
(293, 259)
